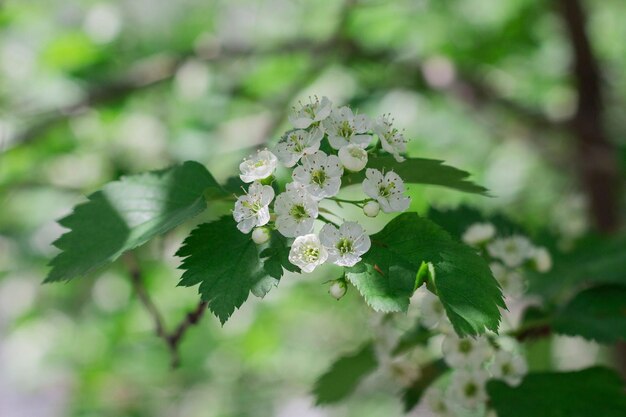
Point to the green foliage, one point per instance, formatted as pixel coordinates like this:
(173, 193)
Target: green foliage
(590, 392)
(417, 336)
(276, 257)
(387, 277)
(226, 264)
(126, 214)
(421, 171)
(456, 221)
(597, 313)
(428, 375)
(344, 375)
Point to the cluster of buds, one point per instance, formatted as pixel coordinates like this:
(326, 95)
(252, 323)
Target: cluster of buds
(349, 139)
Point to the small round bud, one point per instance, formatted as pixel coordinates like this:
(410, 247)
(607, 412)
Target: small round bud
(353, 157)
(338, 289)
(260, 235)
(371, 209)
(542, 260)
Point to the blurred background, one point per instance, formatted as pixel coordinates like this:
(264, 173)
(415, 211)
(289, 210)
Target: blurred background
(526, 95)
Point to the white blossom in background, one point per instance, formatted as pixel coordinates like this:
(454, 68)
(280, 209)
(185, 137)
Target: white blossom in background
(307, 253)
(512, 250)
(391, 139)
(297, 143)
(313, 112)
(512, 282)
(258, 167)
(479, 233)
(437, 402)
(353, 157)
(459, 352)
(251, 209)
(433, 314)
(468, 387)
(319, 174)
(542, 259)
(345, 244)
(295, 211)
(508, 367)
(345, 128)
(387, 190)
(371, 208)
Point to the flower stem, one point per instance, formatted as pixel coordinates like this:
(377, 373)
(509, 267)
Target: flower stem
(358, 203)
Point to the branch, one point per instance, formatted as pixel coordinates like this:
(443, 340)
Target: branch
(172, 339)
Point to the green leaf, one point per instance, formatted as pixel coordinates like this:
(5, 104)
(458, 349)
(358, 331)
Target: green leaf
(387, 276)
(226, 264)
(276, 257)
(591, 392)
(421, 171)
(456, 221)
(597, 313)
(126, 214)
(428, 374)
(417, 336)
(344, 375)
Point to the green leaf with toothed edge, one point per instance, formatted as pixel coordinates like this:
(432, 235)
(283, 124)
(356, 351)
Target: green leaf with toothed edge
(388, 275)
(126, 214)
(420, 171)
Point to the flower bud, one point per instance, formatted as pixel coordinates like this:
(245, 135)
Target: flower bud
(371, 209)
(260, 235)
(353, 157)
(338, 289)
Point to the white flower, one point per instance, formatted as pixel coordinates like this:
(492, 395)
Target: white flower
(508, 367)
(258, 167)
(479, 233)
(390, 138)
(469, 352)
(346, 244)
(297, 143)
(371, 208)
(388, 190)
(512, 282)
(252, 209)
(513, 250)
(338, 289)
(353, 157)
(432, 311)
(468, 387)
(310, 113)
(542, 259)
(345, 128)
(307, 253)
(295, 211)
(436, 401)
(319, 174)
(260, 235)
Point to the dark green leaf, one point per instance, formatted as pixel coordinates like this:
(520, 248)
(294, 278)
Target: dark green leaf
(417, 336)
(456, 221)
(587, 393)
(126, 214)
(421, 171)
(276, 257)
(226, 264)
(597, 313)
(344, 375)
(428, 374)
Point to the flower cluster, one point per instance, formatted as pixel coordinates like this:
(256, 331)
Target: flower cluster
(326, 144)
(475, 361)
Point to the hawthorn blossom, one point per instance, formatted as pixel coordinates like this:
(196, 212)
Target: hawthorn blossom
(512, 250)
(297, 143)
(345, 128)
(353, 157)
(508, 367)
(345, 244)
(433, 314)
(310, 113)
(252, 209)
(307, 253)
(437, 402)
(479, 233)
(387, 190)
(319, 174)
(468, 387)
(258, 167)
(391, 139)
(512, 282)
(465, 351)
(295, 211)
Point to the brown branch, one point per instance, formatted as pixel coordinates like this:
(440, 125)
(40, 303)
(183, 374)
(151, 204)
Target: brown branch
(173, 338)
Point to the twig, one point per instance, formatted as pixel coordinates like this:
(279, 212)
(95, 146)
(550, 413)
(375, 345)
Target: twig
(172, 339)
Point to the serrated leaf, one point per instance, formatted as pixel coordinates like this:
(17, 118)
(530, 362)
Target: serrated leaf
(126, 214)
(276, 257)
(344, 375)
(387, 276)
(421, 171)
(226, 264)
(597, 313)
(591, 392)
(412, 395)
